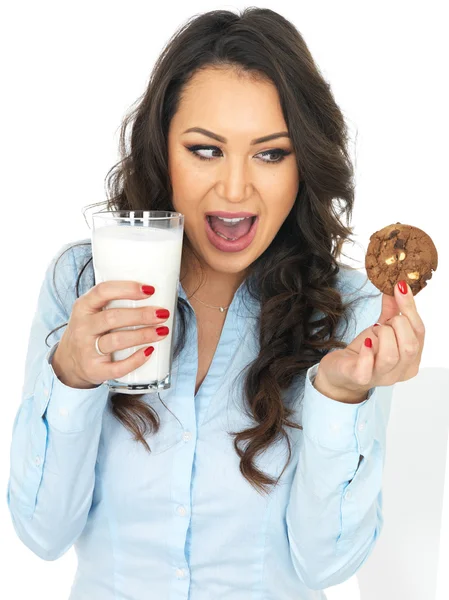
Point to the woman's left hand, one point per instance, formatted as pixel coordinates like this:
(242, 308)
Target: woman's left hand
(348, 374)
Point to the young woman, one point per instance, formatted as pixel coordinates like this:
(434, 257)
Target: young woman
(258, 473)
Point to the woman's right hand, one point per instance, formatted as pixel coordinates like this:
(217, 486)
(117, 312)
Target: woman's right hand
(77, 363)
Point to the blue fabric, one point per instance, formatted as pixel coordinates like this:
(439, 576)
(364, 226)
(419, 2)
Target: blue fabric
(182, 522)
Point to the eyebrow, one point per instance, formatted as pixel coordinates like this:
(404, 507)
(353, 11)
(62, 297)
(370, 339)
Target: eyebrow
(219, 138)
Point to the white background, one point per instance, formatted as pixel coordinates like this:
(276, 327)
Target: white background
(71, 70)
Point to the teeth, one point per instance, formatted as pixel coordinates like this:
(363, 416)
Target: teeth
(236, 220)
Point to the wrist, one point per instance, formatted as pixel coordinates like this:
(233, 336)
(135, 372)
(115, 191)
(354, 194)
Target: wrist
(60, 372)
(339, 394)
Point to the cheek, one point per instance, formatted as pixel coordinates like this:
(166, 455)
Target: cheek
(189, 183)
(281, 198)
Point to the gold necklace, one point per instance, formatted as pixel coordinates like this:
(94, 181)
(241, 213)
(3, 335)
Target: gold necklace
(221, 308)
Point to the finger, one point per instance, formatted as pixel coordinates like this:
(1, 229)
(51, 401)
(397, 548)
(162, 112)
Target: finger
(408, 344)
(122, 340)
(98, 296)
(388, 353)
(102, 369)
(407, 306)
(363, 371)
(121, 368)
(115, 318)
(374, 329)
(390, 308)
(358, 342)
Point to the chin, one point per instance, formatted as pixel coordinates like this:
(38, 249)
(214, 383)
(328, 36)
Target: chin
(227, 264)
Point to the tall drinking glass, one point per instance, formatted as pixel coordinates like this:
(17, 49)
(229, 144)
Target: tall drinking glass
(142, 246)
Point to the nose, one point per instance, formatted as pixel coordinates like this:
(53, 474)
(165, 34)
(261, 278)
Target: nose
(234, 183)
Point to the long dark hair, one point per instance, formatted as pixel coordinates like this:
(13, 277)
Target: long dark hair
(296, 275)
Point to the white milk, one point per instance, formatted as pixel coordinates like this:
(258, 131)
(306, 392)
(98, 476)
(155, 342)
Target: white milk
(151, 256)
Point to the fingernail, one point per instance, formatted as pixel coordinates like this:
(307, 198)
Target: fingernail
(376, 325)
(402, 285)
(162, 330)
(368, 343)
(148, 350)
(148, 289)
(162, 313)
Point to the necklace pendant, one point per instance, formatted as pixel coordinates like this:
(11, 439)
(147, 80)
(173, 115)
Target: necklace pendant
(221, 309)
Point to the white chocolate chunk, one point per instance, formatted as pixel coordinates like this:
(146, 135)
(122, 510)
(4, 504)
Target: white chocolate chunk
(414, 275)
(402, 256)
(390, 260)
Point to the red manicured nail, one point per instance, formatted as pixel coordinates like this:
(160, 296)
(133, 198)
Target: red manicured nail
(402, 285)
(376, 325)
(162, 330)
(368, 343)
(148, 350)
(148, 289)
(162, 313)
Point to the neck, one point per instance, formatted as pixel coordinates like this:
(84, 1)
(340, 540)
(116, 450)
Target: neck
(209, 286)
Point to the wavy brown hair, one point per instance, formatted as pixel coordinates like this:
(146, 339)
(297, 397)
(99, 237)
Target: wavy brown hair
(296, 275)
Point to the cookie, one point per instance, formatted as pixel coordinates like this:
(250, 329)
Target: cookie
(400, 252)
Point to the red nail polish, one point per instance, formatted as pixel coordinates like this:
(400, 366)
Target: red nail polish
(376, 325)
(368, 343)
(402, 285)
(148, 350)
(148, 289)
(162, 313)
(162, 330)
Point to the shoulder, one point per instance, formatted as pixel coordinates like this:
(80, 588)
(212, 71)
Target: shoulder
(364, 298)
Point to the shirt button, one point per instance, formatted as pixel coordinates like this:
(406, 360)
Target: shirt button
(335, 426)
(63, 412)
(181, 511)
(180, 573)
(37, 461)
(46, 391)
(187, 436)
(348, 495)
(362, 426)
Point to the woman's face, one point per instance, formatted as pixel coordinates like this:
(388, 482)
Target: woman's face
(240, 176)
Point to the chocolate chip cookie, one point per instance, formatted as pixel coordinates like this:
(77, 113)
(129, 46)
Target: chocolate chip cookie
(400, 252)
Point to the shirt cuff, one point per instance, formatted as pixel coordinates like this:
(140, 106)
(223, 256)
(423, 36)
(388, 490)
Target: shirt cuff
(67, 409)
(337, 425)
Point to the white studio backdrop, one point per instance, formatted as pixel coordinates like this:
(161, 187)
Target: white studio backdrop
(70, 73)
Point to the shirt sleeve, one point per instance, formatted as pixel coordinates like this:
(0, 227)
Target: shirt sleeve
(334, 515)
(56, 431)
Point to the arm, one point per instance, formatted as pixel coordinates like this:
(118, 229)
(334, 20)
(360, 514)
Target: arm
(334, 515)
(55, 435)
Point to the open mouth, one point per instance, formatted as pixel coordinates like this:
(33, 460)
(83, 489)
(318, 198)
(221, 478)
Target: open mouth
(231, 236)
(231, 230)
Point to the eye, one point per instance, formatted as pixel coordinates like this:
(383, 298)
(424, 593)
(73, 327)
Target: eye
(279, 151)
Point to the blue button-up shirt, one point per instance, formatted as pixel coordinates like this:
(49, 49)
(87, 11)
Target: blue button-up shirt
(182, 523)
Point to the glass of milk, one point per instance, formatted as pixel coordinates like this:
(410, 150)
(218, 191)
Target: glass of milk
(142, 246)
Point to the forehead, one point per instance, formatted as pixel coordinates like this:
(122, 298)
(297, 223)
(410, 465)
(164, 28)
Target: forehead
(217, 98)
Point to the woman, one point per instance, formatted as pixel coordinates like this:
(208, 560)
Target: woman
(266, 486)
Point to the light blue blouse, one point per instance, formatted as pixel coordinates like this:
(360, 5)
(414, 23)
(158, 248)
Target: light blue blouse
(182, 523)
